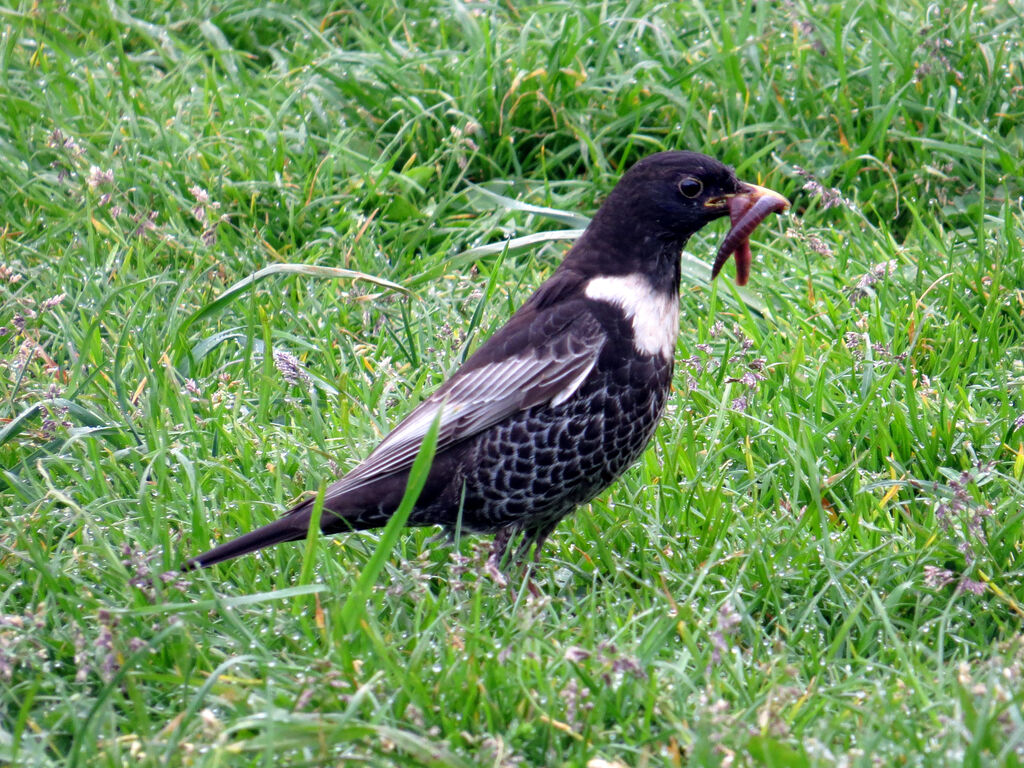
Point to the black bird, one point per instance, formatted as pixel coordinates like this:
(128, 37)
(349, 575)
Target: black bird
(559, 402)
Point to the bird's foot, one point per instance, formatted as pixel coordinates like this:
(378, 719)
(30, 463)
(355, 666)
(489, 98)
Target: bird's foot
(445, 536)
(495, 573)
(531, 585)
(534, 589)
(493, 565)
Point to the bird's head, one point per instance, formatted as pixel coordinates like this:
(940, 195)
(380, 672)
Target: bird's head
(666, 197)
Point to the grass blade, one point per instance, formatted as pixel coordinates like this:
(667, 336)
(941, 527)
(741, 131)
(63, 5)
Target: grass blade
(309, 270)
(356, 602)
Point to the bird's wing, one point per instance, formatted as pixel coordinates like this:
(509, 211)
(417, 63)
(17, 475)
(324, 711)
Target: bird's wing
(480, 396)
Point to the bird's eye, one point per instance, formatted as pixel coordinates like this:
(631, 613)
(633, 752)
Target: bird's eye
(690, 186)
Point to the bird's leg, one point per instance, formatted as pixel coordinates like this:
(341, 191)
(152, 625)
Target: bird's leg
(519, 558)
(536, 553)
(493, 566)
(536, 537)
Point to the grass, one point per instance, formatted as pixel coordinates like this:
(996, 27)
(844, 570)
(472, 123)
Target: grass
(818, 561)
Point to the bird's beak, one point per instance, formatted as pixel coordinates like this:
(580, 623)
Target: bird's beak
(746, 197)
(747, 208)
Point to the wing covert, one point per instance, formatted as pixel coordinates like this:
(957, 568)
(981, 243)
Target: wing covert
(478, 397)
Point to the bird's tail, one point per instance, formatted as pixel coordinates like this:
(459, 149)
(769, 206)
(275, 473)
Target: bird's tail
(293, 526)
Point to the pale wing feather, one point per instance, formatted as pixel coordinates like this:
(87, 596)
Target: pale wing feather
(479, 399)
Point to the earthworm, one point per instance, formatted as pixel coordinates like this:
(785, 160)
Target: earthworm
(745, 216)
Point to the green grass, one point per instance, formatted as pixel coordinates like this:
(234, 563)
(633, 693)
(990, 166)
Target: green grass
(819, 565)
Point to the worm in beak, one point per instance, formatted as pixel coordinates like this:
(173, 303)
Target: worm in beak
(747, 209)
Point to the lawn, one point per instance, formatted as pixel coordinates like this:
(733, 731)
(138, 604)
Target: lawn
(239, 240)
